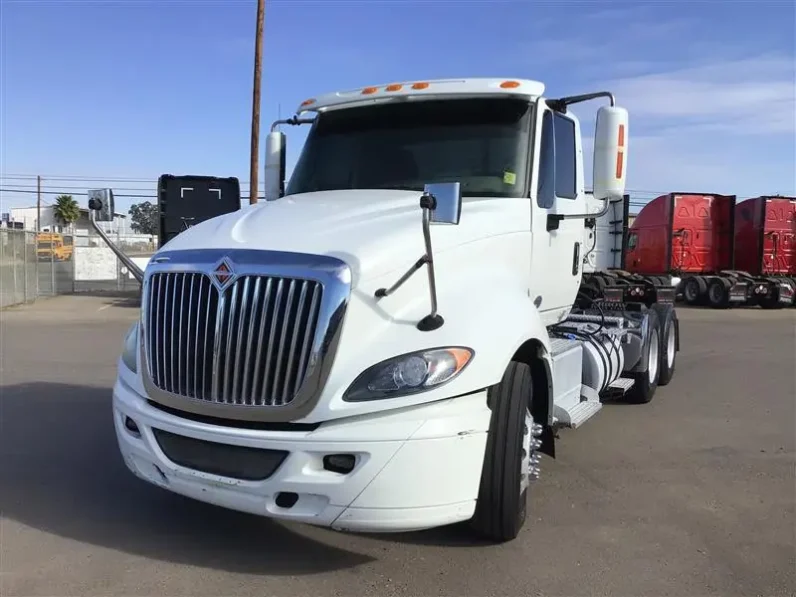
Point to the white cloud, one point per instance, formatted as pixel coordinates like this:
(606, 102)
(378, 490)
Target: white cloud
(726, 127)
(675, 161)
(753, 96)
(606, 38)
(712, 114)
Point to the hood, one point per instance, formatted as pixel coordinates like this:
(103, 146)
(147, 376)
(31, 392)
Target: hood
(374, 231)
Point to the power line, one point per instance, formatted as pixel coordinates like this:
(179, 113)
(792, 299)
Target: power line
(32, 191)
(67, 186)
(127, 196)
(75, 178)
(115, 195)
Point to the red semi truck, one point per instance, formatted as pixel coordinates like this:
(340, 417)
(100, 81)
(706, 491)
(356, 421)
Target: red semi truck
(725, 253)
(765, 247)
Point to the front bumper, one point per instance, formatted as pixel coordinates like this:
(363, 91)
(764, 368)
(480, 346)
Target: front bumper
(416, 468)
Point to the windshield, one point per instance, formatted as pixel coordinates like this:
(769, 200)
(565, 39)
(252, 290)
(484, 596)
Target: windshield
(45, 244)
(482, 143)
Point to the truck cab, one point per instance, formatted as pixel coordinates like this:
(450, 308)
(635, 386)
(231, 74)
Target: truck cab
(391, 340)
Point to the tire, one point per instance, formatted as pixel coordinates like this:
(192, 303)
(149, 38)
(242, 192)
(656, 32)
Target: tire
(694, 290)
(600, 283)
(718, 293)
(770, 301)
(646, 382)
(511, 449)
(670, 340)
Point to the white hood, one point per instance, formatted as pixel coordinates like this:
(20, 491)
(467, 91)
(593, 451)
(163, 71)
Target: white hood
(375, 232)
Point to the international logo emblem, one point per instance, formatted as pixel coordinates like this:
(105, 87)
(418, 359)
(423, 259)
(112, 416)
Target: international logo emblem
(223, 273)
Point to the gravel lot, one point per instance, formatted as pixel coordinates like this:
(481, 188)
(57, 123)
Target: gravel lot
(690, 495)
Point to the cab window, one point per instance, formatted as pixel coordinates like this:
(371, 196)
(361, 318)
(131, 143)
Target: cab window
(558, 136)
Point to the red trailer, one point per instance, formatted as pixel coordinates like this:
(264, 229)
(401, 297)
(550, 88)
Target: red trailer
(765, 248)
(605, 276)
(691, 236)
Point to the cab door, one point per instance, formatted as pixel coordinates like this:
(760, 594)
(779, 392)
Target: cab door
(557, 188)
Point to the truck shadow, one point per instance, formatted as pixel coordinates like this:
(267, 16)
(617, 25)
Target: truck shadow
(455, 535)
(62, 474)
(118, 298)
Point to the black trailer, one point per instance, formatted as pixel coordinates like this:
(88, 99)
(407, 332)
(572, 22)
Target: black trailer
(184, 201)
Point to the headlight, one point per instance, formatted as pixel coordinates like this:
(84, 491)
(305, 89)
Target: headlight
(409, 374)
(129, 356)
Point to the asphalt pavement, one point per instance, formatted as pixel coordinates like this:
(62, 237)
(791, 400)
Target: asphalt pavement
(692, 494)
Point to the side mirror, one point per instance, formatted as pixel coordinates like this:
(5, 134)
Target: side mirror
(448, 202)
(610, 153)
(275, 149)
(100, 201)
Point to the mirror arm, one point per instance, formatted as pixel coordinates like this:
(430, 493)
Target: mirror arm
(433, 320)
(137, 272)
(560, 104)
(554, 219)
(292, 121)
(383, 292)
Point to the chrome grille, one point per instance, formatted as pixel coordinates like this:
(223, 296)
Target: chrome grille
(248, 344)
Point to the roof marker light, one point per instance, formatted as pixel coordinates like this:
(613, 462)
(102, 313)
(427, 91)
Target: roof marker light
(394, 87)
(369, 90)
(509, 84)
(421, 85)
(307, 102)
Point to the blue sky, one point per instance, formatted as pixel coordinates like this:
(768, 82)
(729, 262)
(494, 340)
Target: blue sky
(130, 90)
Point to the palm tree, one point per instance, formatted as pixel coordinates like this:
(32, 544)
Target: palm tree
(66, 210)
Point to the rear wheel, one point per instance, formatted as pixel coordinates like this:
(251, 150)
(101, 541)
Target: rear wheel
(646, 382)
(771, 300)
(511, 459)
(693, 290)
(669, 341)
(719, 293)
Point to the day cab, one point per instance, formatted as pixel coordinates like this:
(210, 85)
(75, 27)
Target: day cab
(388, 342)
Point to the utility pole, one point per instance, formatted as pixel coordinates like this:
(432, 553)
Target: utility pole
(38, 203)
(255, 146)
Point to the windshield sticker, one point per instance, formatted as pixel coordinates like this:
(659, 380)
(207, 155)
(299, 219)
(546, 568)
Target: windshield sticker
(509, 177)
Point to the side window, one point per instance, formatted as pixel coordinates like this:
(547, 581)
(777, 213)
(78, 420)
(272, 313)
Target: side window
(546, 148)
(566, 186)
(558, 137)
(632, 240)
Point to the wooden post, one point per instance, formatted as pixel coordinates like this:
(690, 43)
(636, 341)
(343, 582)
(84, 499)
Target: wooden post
(255, 141)
(38, 204)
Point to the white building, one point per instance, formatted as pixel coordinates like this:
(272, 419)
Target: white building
(29, 217)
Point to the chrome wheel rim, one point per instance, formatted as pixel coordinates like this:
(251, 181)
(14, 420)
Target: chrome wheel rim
(653, 359)
(529, 466)
(670, 344)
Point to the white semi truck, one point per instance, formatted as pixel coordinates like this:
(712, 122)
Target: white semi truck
(293, 361)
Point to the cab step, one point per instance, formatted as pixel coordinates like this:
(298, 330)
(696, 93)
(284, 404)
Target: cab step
(581, 413)
(618, 388)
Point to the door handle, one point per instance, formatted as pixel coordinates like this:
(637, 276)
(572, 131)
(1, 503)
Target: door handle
(576, 260)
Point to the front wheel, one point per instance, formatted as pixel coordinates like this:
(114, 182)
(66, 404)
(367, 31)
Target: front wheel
(511, 459)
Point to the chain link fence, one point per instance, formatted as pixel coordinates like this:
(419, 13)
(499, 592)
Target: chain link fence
(34, 265)
(19, 282)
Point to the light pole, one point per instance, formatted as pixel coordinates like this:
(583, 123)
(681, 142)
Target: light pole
(255, 140)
